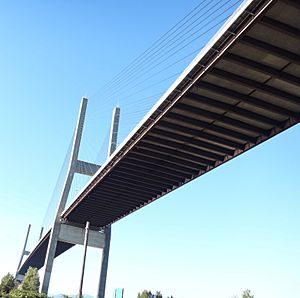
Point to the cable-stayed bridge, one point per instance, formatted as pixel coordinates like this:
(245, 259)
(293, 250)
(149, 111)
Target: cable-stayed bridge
(242, 89)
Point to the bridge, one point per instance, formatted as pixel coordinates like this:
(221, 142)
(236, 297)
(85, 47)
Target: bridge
(242, 89)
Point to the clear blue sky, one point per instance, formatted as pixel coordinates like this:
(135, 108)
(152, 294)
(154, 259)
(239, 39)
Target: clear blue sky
(236, 227)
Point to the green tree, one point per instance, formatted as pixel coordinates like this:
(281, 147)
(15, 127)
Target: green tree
(7, 284)
(145, 294)
(158, 294)
(31, 281)
(17, 293)
(29, 287)
(247, 294)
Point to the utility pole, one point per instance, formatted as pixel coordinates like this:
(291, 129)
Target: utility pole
(85, 244)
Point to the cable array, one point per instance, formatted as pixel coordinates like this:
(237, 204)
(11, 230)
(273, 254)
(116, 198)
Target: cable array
(53, 202)
(152, 72)
(141, 83)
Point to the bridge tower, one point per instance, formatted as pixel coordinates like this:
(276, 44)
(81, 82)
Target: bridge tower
(66, 232)
(25, 252)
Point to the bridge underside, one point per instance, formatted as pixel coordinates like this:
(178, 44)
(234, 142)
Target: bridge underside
(243, 89)
(37, 257)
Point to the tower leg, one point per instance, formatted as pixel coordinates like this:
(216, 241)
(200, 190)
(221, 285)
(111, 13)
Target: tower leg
(63, 200)
(50, 257)
(104, 264)
(24, 253)
(105, 254)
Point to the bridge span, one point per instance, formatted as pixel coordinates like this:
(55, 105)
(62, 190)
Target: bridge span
(242, 89)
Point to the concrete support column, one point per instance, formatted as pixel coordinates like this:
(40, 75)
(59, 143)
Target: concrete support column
(104, 263)
(63, 200)
(24, 253)
(105, 254)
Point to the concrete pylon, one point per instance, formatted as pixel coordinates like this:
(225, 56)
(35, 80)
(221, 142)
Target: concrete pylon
(71, 234)
(63, 199)
(105, 254)
(24, 253)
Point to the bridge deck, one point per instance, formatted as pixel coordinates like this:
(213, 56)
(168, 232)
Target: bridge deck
(241, 90)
